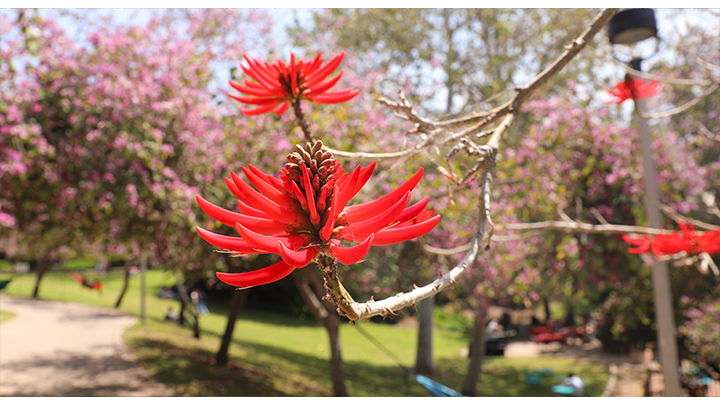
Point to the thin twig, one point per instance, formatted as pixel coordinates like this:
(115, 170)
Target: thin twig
(650, 76)
(683, 107)
(681, 218)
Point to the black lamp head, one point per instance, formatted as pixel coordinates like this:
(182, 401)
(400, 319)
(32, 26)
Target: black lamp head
(632, 25)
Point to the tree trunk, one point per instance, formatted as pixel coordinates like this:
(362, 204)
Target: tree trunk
(43, 267)
(424, 361)
(570, 315)
(196, 325)
(326, 313)
(124, 289)
(477, 354)
(337, 369)
(236, 303)
(182, 291)
(546, 302)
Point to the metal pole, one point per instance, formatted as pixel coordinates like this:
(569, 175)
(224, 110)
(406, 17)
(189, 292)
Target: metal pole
(143, 270)
(661, 287)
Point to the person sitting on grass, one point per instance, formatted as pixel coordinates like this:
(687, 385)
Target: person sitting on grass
(577, 384)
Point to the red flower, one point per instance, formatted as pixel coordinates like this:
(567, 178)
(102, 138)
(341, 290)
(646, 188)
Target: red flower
(689, 241)
(303, 215)
(275, 85)
(83, 282)
(643, 244)
(635, 89)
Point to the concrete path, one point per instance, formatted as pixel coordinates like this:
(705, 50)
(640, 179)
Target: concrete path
(66, 349)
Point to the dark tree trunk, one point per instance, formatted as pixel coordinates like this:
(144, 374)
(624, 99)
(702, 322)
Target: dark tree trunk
(337, 368)
(239, 297)
(181, 316)
(196, 325)
(326, 313)
(184, 298)
(477, 354)
(124, 289)
(570, 316)
(424, 361)
(43, 267)
(546, 302)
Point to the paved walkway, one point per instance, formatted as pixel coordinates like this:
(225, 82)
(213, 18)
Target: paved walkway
(66, 349)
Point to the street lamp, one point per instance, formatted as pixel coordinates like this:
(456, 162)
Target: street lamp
(629, 27)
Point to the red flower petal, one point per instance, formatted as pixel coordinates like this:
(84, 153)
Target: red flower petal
(283, 107)
(259, 201)
(269, 243)
(351, 255)
(250, 211)
(230, 218)
(257, 111)
(327, 230)
(262, 75)
(412, 211)
(397, 235)
(270, 192)
(357, 231)
(268, 179)
(299, 258)
(257, 100)
(230, 243)
(320, 75)
(334, 98)
(293, 75)
(310, 197)
(257, 277)
(323, 87)
(252, 90)
(76, 277)
(346, 190)
(364, 211)
(363, 178)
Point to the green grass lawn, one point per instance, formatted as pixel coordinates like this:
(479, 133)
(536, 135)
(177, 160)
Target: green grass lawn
(281, 355)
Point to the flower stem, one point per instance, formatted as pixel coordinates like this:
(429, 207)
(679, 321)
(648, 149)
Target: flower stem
(335, 290)
(300, 118)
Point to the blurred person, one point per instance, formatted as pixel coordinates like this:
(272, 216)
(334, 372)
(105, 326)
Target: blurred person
(577, 384)
(493, 326)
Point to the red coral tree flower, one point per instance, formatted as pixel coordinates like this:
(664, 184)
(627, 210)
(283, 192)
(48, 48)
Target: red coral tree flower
(689, 241)
(275, 86)
(304, 216)
(635, 89)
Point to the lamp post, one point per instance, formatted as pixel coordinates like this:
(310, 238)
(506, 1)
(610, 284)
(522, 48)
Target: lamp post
(629, 27)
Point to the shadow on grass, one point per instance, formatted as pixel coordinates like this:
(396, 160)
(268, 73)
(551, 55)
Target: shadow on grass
(262, 370)
(193, 370)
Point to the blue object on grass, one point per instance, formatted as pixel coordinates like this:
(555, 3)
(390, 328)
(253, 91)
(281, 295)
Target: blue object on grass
(545, 371)
(563, 389)
(437, 388)
(532, 378)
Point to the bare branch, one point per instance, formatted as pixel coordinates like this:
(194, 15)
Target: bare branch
(707, 132)
(650, 76)
(363, 156)
(356, 311)
(709, 200)
(683, 107)
(680, 218)
(573, 226)
(478, 121)
(598, 216)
